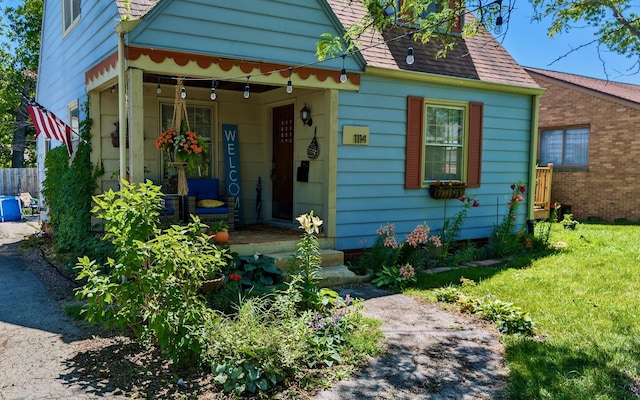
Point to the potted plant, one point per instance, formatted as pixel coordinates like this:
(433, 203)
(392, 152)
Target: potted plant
(568, 222)
(220, 231)
(184, 147)
(212, 283)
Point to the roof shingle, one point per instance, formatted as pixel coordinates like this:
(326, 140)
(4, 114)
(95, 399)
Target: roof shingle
(137, 8)
(625, 91)
(479, 57)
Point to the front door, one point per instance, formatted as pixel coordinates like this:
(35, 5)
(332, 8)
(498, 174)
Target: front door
(282, 163)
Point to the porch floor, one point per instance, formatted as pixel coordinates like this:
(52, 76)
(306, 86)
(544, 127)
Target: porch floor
(261, 233)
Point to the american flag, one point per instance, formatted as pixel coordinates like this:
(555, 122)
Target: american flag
(53, 128)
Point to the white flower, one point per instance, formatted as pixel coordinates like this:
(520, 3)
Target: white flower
(310, 223)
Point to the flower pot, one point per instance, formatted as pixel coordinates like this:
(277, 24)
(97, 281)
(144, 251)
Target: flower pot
(221, 237)
(446, 192)
(212, 285)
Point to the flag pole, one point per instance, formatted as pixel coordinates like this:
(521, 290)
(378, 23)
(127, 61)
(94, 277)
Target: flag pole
(34, 103)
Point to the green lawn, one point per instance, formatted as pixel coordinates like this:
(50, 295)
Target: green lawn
(585, 302)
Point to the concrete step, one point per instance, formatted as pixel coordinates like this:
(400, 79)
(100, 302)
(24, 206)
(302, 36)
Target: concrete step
(329, 257)
(336, 275)
(333, 271)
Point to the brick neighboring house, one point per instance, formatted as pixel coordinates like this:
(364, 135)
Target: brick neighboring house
(590, 130)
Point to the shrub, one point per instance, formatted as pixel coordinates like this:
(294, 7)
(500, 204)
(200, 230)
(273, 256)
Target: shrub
(151, 286)
(67, 190)
(270, 341)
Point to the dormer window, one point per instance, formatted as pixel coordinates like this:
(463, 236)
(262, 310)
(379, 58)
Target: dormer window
(70, 14)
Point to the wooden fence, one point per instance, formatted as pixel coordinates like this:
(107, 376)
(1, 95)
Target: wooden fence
(542, 205)
(17, 180)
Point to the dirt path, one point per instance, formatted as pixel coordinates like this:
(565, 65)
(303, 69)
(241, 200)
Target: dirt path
(432, 353)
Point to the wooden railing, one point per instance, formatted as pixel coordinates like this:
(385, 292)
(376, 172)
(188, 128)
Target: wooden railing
(14, 181)
(542, 204)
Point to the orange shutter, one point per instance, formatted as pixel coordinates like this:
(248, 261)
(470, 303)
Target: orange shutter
(474, 150)
(415, 117)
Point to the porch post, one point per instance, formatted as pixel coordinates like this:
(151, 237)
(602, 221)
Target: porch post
(136, 125)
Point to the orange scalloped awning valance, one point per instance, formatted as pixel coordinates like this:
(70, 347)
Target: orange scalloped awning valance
(224, 64)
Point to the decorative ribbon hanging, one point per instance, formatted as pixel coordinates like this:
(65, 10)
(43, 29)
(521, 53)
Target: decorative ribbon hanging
(179, 107)
(313, 151)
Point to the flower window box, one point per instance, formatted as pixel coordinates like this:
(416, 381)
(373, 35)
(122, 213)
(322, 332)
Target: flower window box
(447, 190)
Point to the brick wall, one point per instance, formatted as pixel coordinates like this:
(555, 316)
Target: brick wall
(610, 188)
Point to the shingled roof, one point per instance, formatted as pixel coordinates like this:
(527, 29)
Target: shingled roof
(623, 91)
(137, 8)
(479, 58)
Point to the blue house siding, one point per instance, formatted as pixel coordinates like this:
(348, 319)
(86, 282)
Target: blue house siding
(278, 31)
(65, 59)
(370, 179)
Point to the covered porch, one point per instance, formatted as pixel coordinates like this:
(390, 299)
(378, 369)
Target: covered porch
(249, 116)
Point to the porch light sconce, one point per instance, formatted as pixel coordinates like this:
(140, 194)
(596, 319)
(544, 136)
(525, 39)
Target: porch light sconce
(305, 115)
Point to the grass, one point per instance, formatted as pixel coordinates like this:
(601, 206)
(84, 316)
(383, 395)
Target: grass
(585, 302)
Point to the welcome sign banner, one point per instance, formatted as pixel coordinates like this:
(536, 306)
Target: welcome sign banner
(232, 168)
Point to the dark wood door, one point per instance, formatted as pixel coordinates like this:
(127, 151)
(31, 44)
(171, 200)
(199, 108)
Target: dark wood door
(282, 163)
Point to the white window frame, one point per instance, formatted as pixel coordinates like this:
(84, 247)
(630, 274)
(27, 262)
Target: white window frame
(460, 175)
(72, 8)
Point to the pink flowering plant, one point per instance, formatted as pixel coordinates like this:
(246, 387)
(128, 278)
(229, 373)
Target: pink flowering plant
(394, 277)
(394, 262)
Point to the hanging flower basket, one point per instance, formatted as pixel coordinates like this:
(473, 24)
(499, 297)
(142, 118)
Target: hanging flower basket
(447, 190)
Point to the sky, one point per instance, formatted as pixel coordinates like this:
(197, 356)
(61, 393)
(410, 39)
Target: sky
(529, 45)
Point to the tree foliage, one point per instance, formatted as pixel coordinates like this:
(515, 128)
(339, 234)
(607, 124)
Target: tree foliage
(18, 65)
(616, 22)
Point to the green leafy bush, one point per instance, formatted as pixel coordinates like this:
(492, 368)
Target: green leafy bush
(151, 286)
(270, 341)
(68, 189)
(258, 273)
(507, 317)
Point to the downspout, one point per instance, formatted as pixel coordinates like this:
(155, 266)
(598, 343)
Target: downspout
(122, 105)
(533, 161)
